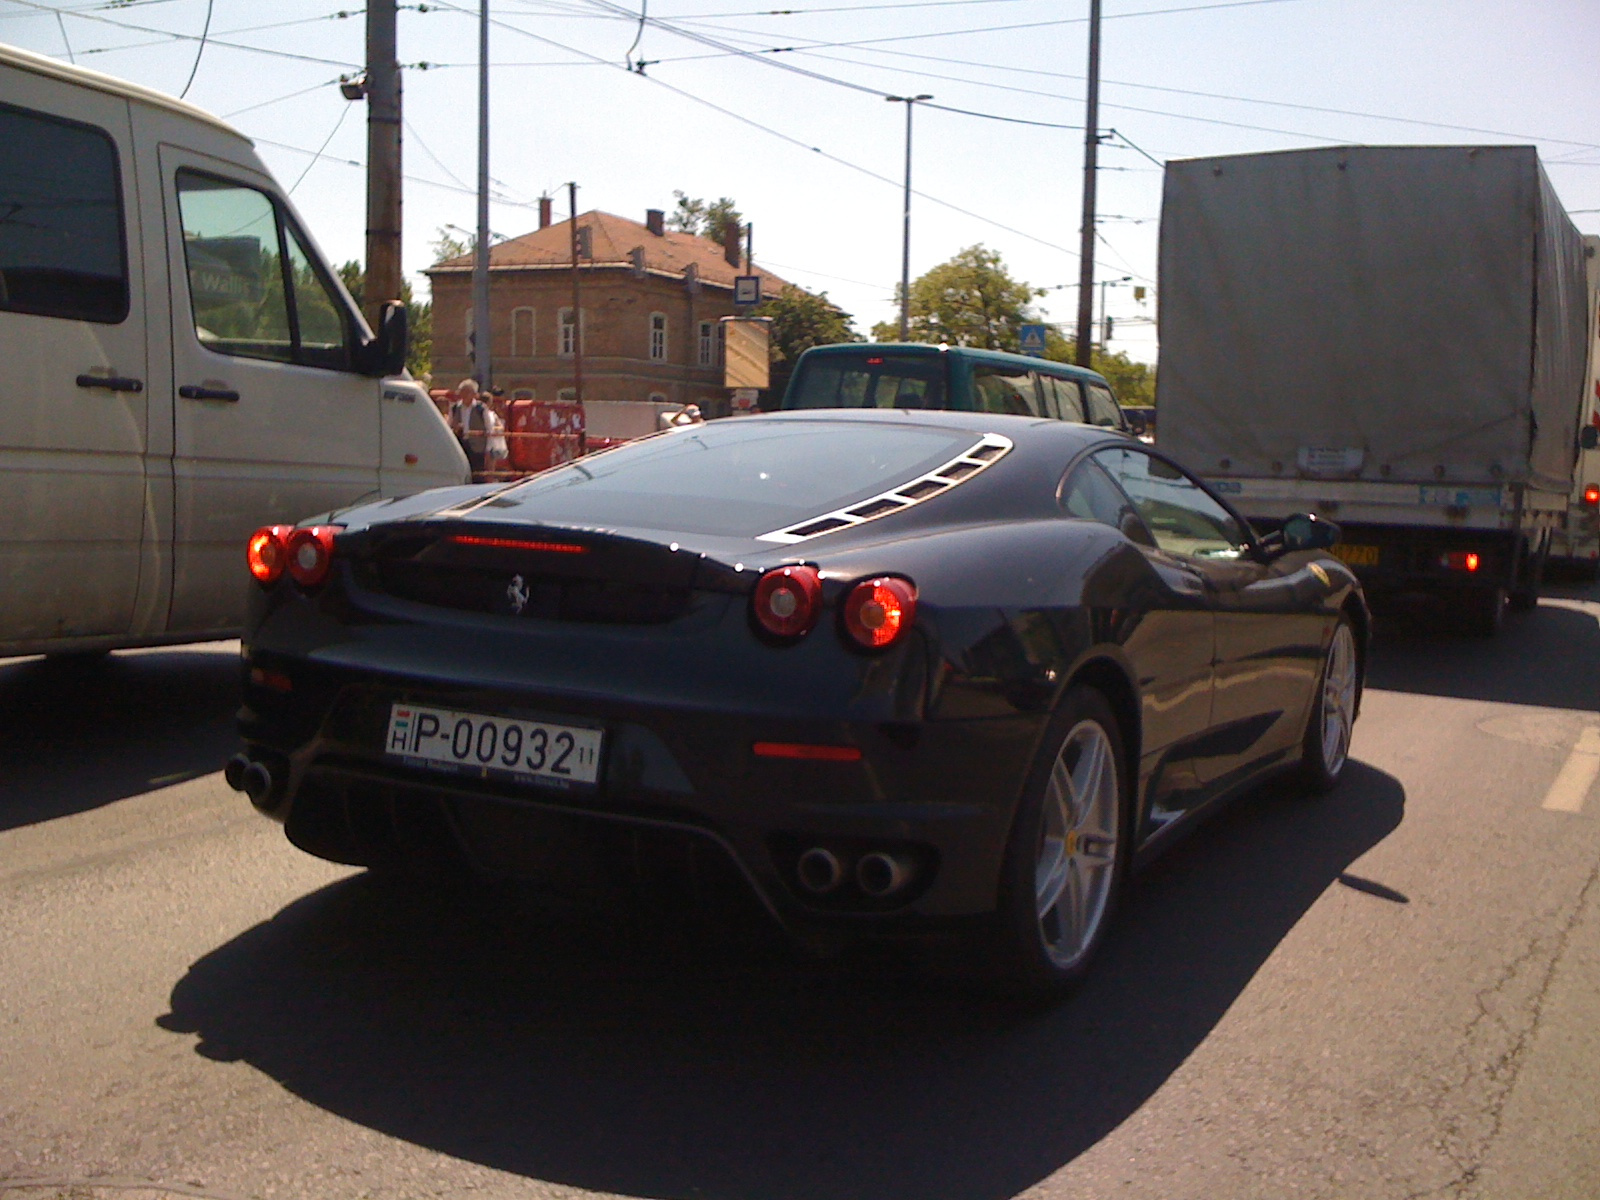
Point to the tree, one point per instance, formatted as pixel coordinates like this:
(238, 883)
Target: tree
(969, 301)
(419, 317)
(448, 245)
(800, 321)
(703, 218)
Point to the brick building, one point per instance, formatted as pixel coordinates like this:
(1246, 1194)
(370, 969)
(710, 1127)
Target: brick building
(651, 301)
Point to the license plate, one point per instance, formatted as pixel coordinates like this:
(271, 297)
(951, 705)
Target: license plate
(1356, 556)
(493, 747)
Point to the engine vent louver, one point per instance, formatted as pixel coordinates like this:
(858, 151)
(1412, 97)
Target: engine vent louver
(988, 450)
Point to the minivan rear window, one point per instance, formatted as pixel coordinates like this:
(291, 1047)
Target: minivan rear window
(739, 477)
(61, 244)
(868, 380)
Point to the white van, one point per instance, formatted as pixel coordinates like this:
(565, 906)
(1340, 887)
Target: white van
(178, 366)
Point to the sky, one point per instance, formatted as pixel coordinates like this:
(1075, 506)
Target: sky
(784, 111)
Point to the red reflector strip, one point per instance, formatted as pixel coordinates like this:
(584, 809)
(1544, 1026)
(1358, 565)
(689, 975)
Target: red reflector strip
(276, 680)
(807, 750)
(467, 539)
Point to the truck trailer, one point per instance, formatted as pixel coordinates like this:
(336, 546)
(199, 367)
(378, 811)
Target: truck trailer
(1392, 337)
(1575, 543)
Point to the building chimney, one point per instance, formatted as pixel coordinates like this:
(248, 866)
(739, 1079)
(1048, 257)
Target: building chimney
(655, 220)
(731, 249)
(544, 212)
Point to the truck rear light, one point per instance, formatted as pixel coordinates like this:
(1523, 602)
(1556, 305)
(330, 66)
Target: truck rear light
(266, 554)
(878, 611)
(1591, 495)
(788, 600)
(1460, 560)
(310, 553)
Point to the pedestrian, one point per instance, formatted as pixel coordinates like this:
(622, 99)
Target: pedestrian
(497, 454)
(469, 421)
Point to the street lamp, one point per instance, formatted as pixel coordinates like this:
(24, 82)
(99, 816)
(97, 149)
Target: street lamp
(905, 244)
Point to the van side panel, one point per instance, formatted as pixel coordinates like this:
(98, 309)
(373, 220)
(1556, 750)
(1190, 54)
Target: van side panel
(73, 371)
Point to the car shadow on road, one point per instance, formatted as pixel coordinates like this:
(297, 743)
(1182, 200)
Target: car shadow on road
(78, 734)
(594, 1058)
(1549, 657)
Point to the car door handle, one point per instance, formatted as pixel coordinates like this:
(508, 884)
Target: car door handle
(189, 392)
(112, 383)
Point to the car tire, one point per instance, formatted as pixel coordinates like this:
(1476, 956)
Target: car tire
(1068, 853)
(1326, 749)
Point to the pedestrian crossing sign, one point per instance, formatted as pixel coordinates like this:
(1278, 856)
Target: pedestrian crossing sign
(1033, 340)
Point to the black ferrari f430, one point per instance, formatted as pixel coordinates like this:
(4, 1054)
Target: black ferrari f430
(931, 673)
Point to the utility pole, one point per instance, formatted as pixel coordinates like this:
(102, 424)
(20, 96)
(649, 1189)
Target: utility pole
(577, 302)
(1091, 148)
(482, 367)
(905, 236)
(383, 160)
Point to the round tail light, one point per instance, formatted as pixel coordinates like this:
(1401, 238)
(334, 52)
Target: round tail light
(878, 611)
(310, 553)
(788, 600)
(1591, 495)
(267, 554)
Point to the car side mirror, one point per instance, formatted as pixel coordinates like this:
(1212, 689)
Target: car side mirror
(1305, 531)
(1589, 438)
(385, 354)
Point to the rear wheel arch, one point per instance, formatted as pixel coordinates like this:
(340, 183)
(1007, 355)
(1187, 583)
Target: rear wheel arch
(1112, 681)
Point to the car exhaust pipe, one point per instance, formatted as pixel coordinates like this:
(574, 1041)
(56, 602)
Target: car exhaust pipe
(234, 771)
(881, 873)
(819, 870)
(256, 782)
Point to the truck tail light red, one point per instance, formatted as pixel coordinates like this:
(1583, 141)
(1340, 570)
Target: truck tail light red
(1461, 560)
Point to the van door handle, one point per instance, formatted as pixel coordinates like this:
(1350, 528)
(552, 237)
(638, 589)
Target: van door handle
(189, 392)
(112, 383)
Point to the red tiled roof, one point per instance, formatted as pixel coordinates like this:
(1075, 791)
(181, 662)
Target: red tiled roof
(612, 240)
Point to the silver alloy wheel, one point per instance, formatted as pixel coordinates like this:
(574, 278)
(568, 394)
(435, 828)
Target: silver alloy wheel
(1338, 699)
(1076, 867)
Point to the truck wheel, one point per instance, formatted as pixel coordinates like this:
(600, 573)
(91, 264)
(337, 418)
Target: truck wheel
(1486, 611)
(1525, 596)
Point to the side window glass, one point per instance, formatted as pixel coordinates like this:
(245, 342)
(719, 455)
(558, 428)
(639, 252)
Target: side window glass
(998, 390)
(1183, 518)
(61, 223)
(1069, 399)
(1090, 495)
(1103, 408)
(324, 326)
(230, 243)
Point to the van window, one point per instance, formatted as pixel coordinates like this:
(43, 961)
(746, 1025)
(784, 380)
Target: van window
(870, 381)
(255, 289)
(1005, 390)
(1068, 399)
(1103, 409)
(61, 243)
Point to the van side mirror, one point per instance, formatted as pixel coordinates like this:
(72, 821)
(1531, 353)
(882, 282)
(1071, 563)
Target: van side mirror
(1589, 438)
(1304, 531)
(385, 354)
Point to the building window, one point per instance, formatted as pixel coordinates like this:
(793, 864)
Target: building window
(708, 343)
(658, 337)
(471, 358)
(566, 333)
(658, 398)
(567, 396)
(522, 333)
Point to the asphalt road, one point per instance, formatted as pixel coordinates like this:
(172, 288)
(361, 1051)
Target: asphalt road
(1393, 991)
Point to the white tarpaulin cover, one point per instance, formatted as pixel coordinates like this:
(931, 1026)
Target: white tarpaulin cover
(1384, 313)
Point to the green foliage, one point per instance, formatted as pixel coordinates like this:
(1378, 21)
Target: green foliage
(1134, 382)
(448, 245)
(703, 218)
(419, 316)
(971, 300)
(800, 321)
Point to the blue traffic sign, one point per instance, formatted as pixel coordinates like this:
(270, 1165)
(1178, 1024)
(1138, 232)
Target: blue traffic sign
(1033, 340)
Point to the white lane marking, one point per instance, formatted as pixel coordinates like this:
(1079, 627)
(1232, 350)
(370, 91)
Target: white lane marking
(1571, 787)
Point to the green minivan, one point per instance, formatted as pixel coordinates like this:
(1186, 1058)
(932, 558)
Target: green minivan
(913, 375)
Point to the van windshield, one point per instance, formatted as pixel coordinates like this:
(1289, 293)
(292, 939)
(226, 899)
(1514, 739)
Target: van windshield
(870, 380)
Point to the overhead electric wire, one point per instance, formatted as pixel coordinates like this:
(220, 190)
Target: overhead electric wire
(228, 116)
(190, 37)
(200, 50)
(343, 113)
(800, 12)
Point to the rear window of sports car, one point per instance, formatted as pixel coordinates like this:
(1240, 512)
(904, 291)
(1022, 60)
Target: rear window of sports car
(739, 478)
